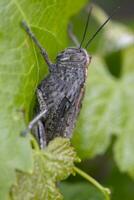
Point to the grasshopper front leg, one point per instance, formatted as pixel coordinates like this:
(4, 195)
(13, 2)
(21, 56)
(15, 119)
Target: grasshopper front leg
(37, 43)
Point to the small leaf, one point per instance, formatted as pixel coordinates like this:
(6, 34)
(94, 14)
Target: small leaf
(61, 158)
(50, 166)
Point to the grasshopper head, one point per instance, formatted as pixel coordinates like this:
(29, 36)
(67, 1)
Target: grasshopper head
(74, 56)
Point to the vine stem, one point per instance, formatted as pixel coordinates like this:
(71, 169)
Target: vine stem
(106, 192)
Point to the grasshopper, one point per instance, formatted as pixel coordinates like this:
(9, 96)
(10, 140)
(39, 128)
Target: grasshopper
(61, 92)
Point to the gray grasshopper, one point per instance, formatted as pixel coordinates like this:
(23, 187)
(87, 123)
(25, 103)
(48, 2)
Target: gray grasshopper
(61, 92)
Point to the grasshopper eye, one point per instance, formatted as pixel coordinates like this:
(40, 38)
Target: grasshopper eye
(74, 58)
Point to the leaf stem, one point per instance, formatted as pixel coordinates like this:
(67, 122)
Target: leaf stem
(106, 192)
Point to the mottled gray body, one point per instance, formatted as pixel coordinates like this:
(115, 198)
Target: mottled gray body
(61, 92)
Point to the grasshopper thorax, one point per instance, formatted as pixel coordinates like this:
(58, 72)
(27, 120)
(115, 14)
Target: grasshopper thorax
(76, 56)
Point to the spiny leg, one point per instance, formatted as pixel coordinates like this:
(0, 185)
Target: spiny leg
(40, 135)
(42, 50)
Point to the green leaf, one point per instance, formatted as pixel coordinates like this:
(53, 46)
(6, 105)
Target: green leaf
(51, 165)
(21, 69)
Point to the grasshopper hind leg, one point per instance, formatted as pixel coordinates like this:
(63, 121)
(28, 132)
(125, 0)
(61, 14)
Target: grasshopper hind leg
(39, 133)
(38, 128)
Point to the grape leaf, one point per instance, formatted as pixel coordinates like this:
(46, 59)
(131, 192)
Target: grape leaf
(53, 164)
(21, 69)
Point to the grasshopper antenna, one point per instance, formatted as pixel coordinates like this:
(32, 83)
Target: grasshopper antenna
(85, 30)
(101, 27)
